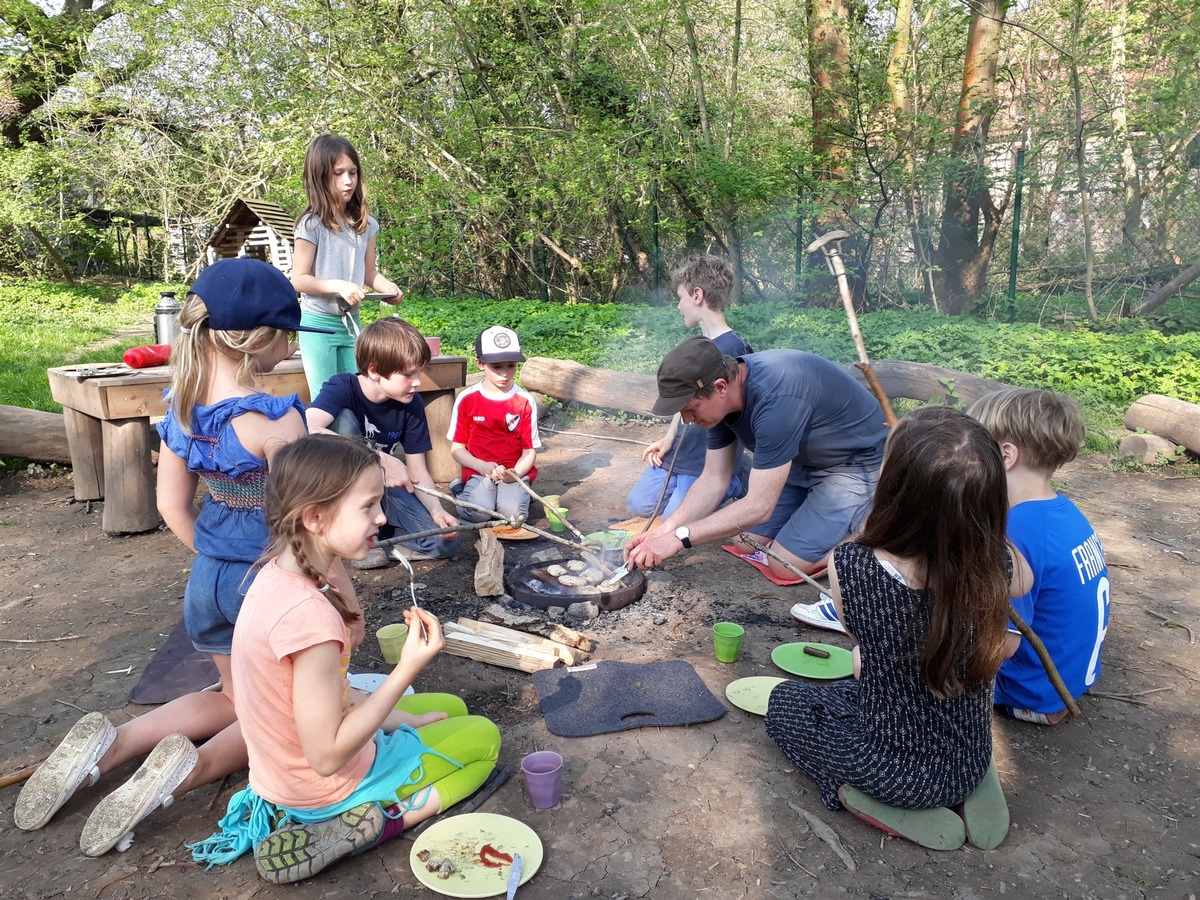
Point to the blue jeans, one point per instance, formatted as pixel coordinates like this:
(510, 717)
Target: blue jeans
(644, 496)
(810, 521)
(407, 515)
(405, 512)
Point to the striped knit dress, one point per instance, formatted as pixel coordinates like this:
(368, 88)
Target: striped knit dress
(884, 733)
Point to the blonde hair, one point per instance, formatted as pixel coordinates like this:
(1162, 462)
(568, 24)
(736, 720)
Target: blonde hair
(194, 351)
(1045, 426)
(317, 470)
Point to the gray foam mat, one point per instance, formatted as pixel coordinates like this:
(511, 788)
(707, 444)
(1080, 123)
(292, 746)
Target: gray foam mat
(177, 668)
(598, 698)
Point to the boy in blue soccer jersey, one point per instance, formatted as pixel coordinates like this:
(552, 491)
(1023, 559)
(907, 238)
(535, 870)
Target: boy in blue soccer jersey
(1039, 432)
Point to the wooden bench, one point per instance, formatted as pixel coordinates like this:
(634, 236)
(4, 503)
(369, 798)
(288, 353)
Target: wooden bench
(107, 410)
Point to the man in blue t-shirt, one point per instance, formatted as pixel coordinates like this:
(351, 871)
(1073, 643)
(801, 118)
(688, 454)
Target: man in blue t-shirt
(381, 403)
(817, 437)
(1068, 606)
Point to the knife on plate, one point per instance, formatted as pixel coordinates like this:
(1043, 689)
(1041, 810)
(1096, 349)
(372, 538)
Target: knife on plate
(514, 877)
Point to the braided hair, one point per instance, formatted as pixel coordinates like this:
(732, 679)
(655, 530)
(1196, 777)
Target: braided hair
(316, 470)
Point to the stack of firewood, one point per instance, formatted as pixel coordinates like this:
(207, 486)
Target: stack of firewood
(516, 641)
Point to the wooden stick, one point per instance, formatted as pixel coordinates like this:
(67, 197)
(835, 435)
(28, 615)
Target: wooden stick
(889, 417)
(18, 776)
(603, 437)
(513, 522)
(1168, 622)
(1047, 663)
(751, 542)
(68, 637)
(538, 497)
(464, 526)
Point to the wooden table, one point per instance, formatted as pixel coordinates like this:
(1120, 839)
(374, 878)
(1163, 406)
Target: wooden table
(107, 410)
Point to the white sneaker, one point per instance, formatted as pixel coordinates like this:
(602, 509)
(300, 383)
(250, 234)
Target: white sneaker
(822, 614)
(71, 764)
(398, 553)
(376, 558)
(111, 822)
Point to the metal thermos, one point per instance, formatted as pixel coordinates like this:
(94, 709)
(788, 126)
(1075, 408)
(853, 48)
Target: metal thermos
(166, 318)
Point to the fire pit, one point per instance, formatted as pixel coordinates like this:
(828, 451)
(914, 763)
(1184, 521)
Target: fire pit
(539, 584)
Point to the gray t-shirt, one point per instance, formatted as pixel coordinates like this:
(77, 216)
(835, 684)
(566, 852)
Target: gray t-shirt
(804, 410)
(340, 254)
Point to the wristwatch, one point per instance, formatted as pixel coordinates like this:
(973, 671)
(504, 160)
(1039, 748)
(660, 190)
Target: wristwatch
(685, 536)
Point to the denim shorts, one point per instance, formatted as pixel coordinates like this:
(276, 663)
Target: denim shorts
(808, 522)
(212, 599)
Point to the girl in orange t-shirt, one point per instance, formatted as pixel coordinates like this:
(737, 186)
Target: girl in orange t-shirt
(334, 772)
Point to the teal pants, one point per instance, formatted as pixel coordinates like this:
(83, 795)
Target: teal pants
(471, 741)
(326, 355)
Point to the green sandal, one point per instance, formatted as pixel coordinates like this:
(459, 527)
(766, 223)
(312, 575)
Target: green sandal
(937, 829)
(985, 812)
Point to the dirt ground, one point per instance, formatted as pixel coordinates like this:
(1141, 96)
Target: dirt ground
(1104, 806)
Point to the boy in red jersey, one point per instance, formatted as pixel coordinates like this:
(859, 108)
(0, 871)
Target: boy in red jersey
(493, 429)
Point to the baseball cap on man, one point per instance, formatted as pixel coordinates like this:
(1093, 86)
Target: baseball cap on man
(244, 293)
(497, 345)
(695, 363)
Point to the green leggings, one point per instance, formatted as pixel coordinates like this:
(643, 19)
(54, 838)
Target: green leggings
(471, 741)
(326, 355)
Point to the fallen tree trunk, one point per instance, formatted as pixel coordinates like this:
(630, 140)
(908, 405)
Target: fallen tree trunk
(567, 380)
(1175, 420)
(33, 434)
(1171, 289)
(925, 382)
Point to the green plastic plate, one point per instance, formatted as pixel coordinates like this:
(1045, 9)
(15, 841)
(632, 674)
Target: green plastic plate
(793, 660)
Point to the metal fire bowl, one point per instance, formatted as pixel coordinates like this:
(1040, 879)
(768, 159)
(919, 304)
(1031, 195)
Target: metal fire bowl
(532, 584)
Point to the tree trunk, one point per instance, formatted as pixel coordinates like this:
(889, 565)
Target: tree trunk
(970, 218)
(1085, 205)
(1131, 176)
(33, 434)
(1170, 289)
(1176, 420)
(833, 124)
(898, 74)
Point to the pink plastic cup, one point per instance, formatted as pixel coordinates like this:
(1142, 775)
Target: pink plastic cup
(435, 345)
(543, 778)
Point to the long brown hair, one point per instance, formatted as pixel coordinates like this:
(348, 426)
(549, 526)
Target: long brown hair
(942, 502)
(315, 470)
(323, 154)
(194, 352)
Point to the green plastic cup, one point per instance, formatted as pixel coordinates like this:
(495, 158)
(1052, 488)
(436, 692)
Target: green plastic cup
(727, 641)
(556, 516)
(391, 641)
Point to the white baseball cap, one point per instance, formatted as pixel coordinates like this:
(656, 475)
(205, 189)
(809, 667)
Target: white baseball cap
(497, 345)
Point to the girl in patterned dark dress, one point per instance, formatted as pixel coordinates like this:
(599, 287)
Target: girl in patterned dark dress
(924, 590)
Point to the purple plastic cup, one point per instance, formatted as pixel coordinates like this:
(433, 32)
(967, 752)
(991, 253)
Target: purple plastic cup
(543, 778)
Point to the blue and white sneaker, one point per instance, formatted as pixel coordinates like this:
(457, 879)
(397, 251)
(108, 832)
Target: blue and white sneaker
(822, 614)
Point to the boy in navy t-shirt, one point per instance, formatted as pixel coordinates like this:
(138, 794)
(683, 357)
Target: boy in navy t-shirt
(1039, 432)
(381, 403)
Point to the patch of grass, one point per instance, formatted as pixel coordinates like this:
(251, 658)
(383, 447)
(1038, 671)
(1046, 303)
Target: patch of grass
(1104, 365)
(47, 324)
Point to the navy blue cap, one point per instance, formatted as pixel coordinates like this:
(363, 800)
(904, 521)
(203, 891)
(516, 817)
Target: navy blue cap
(245, 293)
